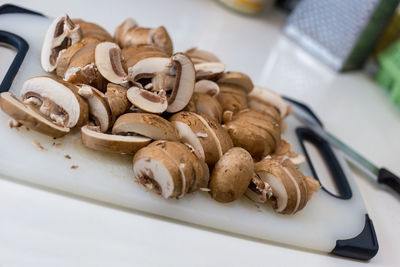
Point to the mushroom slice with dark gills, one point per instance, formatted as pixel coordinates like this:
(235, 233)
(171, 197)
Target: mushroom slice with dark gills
(61, 34)
(56, 100)
(145, 124)
(171, 79)
(109, 62)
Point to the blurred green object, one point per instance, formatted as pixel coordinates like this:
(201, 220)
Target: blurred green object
(391, 34)
(249, 7)
(388, 75)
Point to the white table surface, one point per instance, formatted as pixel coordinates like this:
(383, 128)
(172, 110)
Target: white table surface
(42, 228)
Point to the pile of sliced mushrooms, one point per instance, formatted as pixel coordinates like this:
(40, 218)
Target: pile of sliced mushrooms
(189, 124)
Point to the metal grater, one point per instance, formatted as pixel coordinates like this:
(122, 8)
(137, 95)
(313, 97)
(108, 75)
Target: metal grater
(342, 33)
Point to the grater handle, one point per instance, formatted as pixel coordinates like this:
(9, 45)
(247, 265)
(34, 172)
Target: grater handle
(15, 41)
(388, 178)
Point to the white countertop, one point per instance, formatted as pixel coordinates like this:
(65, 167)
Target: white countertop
(42, 228)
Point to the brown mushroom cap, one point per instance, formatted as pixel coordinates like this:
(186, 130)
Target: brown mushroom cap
(73, 52)
(149, 125)
(117, 99)
(256, 104)
(237, 78)
(231, 175)
(206, 104)
(57, 97)
(82, 68)
(158, 37)
(264, 122)
(206, 136)
(232, 98)
(28, 117)
(93, 30)
(122, 29)
(195, 133)
(94, 139)
(272, 98)
(200, 56)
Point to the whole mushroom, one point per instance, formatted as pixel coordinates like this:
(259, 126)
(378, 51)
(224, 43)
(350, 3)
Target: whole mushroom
(231, 175)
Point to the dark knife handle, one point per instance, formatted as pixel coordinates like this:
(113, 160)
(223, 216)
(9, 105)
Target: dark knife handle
(389, 179)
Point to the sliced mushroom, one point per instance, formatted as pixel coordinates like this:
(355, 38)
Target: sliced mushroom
(72, 53)
(254, 131)
(135, 53)
(258, 190)
(250, 137)
(186, 173)
(272, 98)
(61, 34)
(184, 83)
(206, 136)
(148, 125)
(175, 76)
(237, 78)
(109, 62)
(201, 56)
(93, 30)
(158, 37)
(264, 122)
(94, 139)
(231, 175)
(117, 99)
(155, 170)
(57, 100)
(206, 87)
(209, 70)
(147, 101)
(82, 68)
(99, 110)
(29, 117)
(122, 29)
(283, 151)
(205, 104)
(256, 104)
(290, 188)
(232, 98)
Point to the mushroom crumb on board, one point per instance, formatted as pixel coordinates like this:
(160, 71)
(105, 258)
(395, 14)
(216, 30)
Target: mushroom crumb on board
(39, 145)
(189, 124)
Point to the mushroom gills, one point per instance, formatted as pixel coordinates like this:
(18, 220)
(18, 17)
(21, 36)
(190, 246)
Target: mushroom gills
(61, 34)
(60, 100)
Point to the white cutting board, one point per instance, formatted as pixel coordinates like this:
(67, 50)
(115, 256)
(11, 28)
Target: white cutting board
(108, 177)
